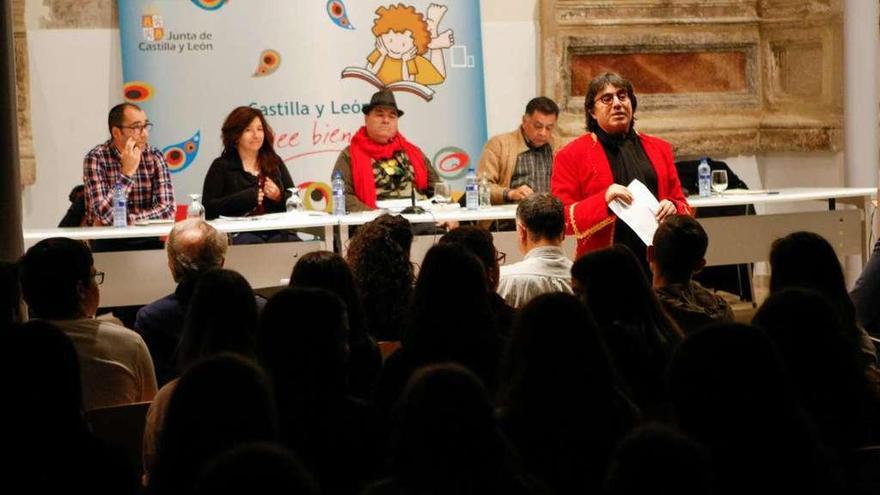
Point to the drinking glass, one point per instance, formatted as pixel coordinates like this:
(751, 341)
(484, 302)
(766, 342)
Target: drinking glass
(294, 202)
(442, 193)
(195, 210)
(719, 181)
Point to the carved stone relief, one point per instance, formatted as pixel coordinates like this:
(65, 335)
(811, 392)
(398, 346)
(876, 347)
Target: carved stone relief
(716, 77)
(27, 161)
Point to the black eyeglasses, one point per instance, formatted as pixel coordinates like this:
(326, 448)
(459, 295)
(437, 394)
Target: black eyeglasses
(99, 277)
(500, 257)
(608, 98)
(138, 128)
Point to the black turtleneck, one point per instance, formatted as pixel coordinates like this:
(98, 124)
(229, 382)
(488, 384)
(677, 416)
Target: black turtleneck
(628, 161)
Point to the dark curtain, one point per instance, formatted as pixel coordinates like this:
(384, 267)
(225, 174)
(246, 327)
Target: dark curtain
(11, 243)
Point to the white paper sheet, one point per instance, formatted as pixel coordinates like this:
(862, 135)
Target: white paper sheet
(640, 215)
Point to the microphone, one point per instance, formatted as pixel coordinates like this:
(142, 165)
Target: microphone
(413, 209)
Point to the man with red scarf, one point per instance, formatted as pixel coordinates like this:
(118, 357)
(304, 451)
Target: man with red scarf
(380, 163)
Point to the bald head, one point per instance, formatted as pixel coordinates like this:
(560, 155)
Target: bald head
(194, 247)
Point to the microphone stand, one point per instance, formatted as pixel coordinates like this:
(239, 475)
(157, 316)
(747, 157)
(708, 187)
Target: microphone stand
(413, 209)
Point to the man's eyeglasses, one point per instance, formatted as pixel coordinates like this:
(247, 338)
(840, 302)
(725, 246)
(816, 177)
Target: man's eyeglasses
(99, 277)
(500, 257)
(608, 98)
(139, 128)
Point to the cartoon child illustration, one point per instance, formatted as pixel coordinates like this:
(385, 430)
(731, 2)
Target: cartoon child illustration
(403, 38)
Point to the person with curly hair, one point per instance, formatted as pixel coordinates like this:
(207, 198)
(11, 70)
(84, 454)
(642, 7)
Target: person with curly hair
(379, 258)
(403, 37)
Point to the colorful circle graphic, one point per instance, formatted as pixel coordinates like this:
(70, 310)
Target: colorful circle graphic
(137, 91)
(451, 162)
(269, 62)
(175, 157)
(337, 13)
(317, 196)
(209, 4)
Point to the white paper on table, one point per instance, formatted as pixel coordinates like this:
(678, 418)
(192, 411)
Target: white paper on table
(640, 215)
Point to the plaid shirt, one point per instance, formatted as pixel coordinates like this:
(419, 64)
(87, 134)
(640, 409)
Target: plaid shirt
(149, 191)
(533, 167)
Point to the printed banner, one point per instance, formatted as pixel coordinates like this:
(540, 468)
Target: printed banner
(310, 66)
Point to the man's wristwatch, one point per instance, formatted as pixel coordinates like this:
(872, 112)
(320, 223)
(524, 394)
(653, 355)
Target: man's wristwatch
(505, 193)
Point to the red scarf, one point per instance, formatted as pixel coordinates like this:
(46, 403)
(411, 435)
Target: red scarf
(363, 150)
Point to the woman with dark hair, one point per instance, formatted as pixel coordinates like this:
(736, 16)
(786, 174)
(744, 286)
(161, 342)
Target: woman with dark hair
(451, 281)
(560, 400)
(639, 334)
(808, 261)
(597, 168)
(381, 266)
(248, 178)
(327, 270)
(446, 439)
(49, 446)
(730, 394)
(822, 365)
(221, 317)
(303, 344)
(220, 403)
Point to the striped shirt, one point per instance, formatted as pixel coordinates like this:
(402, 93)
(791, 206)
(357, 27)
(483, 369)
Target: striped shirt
(533, 168)
(150, 191)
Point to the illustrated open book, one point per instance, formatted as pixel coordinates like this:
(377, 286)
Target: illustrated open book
(408, 86)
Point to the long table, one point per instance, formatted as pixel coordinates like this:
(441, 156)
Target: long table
(138, 277)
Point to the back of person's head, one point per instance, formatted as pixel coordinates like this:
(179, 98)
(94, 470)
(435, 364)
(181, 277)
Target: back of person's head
(40, 374)
(542, 216)
(542, 104)
(257, 469)
(679, 247)
(807, 260)
(221, 316)
(194, 246)
(55, 273)
(328, 270)
(824, 366)
(303, 342)
(219, 403)
(10, 296)
(657, 458)
(399, 229)
(478, 242)
(384, 274)
(615, 287)
(445, 432)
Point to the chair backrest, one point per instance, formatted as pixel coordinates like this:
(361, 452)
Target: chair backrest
(123, 426)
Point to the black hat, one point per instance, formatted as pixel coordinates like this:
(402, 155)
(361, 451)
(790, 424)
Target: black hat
(383, 98)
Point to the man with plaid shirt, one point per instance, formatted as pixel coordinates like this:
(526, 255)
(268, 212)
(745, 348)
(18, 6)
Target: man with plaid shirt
(128, 160)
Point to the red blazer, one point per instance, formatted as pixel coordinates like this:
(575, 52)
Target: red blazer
(581, 175)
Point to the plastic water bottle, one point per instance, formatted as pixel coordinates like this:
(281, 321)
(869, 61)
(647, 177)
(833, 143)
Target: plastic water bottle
(120, 207)
(485, 196)
(338, 194)
(704, 177)
(471, 190)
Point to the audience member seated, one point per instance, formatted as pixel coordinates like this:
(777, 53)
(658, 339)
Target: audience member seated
(731, 395)
(449, 319)
(560, 403)
(256, 469)
(807, 260)
(822, 365)
(220, 403)
(380, 163)
(193, 248)
(221, 317)
(679, 252)
(446, 438)
(479, 242)
(303, 344)
(382, 269)
(60, 284)
(12, 309)
(639, 335)
(518, 163)
(49, 446)
(866, 294)
(540, 229)
(658, 459)
(327, 270)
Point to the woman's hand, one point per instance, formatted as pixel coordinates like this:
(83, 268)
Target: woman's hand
(271, 190)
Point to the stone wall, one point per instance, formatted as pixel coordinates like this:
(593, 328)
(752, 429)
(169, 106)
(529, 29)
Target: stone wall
(714, 77)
